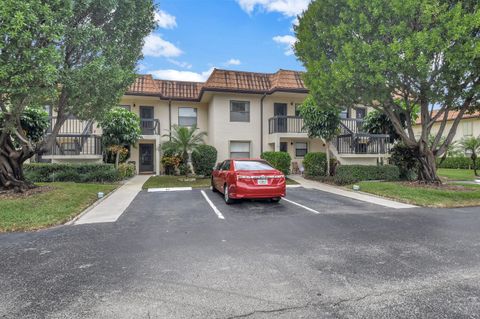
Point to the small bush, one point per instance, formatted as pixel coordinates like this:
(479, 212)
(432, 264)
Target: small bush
(204, 159)
(315, 164)
(456, 162)
(349, 174)
(279, 160)
(126, 170)
(406, 159)
(184, 169)
(85, 173)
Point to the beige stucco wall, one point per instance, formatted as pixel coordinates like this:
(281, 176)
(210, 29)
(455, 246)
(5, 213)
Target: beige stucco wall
(460, 134)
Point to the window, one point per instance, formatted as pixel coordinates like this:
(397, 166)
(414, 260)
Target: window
(361, 112)
(467, 128)
(125, 106)
(297, 109)
(239, 149)
(251, 166)
(344, 113)
(239, 111)
(283, 147)
(187, 116)
(300, 149)
(226, 166)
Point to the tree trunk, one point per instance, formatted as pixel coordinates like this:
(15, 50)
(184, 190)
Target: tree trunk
(474, 159)
(117, 158)
(427, 172)
(11, 171)
(327, 144)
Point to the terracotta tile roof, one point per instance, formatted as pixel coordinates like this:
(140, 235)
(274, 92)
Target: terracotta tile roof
(451, 116)
(220, 80)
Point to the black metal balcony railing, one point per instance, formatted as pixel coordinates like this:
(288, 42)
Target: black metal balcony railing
(150, 126)
(285, 124)
(354, 125)
(72, 126)
(363, 143)
(69, 144)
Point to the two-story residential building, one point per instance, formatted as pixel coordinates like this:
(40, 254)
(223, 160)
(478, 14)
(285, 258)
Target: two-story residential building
(243, 113)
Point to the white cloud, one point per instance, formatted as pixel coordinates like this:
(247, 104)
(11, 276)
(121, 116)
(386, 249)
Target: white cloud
(165, 20)
(157, 47)
(176, 75)
(288, 41)
(289, 8)
(182, 64)
(233, 62)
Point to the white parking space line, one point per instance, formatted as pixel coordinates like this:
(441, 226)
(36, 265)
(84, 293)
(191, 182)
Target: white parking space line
(302, 206)
(215, 209)
(169, 189)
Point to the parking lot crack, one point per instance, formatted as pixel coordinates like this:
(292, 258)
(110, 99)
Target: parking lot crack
(277, 310)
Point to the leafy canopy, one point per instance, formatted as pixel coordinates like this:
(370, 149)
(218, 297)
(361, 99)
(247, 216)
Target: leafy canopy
(322, 122)
(120, 127)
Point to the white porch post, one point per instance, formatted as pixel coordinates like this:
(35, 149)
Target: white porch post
(277, 144)
(159, 155)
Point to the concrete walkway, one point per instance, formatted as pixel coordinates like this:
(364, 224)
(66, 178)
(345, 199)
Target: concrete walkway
(343, 192)
(110, 209)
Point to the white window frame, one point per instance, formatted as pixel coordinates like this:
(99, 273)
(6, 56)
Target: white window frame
(249, 149)
(247, 106)
(189, 117)
(467, 128)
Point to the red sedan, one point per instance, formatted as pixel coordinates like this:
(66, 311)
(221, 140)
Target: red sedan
(248, 178)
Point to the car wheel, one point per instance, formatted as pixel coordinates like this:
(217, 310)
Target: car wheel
(214, 189)
(226, 195)
(275, 199)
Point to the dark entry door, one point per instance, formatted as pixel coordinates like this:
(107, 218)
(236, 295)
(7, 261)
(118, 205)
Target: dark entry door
(146, 158)
(146, 119)
(280, 110)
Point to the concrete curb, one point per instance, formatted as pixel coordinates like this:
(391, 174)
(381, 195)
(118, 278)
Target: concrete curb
(89, 208)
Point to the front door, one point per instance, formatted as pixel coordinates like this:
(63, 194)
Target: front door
(146, 158)
(146, 120)
(280, 110)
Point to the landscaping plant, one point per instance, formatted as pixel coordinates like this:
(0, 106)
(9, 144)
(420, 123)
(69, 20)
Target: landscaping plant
(279, 160)
(315, 164)
(76, 56)
(472, 145)
(204, 159)
(396, 55)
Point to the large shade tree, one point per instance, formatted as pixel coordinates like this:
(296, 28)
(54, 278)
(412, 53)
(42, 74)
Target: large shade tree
(77, 56)
(393, 55)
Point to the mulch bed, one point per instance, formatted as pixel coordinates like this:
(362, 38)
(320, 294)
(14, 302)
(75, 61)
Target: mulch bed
(457, 188)
(34, 191)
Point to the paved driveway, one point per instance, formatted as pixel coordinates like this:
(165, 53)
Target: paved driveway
(315, 256)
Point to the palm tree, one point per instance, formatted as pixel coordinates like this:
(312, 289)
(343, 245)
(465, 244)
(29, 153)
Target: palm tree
(472, 145)
(184, 140)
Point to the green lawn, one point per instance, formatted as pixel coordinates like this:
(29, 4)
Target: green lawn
(54, 207)
(173, 181)
(425, 196)
(455, 174)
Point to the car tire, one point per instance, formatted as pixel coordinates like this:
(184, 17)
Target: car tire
(226, 195)
(214, 189)
(275, 199)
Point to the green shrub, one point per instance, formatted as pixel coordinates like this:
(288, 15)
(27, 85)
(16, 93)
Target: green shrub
(456, 162)
(86, 173)
(348, 174)
(315, 164)
(204, 159)
(406, 159)
(126, 171)
(279, 160)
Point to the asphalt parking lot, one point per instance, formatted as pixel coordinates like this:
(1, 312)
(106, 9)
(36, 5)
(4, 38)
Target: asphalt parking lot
(187, 254)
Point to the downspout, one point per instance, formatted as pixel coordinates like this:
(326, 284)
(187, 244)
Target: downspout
(261, 122)
(170, 119)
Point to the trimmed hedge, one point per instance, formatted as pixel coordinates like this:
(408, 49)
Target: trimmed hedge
(457, 162)
(279, 160)
(315, 164)
(204, 159)
(80, 173)
(348, 174)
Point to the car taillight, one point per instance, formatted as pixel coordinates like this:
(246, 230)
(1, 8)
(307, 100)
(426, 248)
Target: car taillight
(278, 176)
(239, 177)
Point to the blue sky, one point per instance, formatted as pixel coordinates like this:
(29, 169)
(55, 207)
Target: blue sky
(194, 36)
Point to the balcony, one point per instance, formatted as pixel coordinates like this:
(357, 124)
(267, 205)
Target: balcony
(363, 143)
(76, 145)
(150, 126)
(72, 126)
(285, 124)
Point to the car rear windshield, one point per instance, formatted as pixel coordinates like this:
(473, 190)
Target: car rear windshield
(251, 166)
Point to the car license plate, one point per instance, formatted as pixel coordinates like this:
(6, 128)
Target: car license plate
(262, 182)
